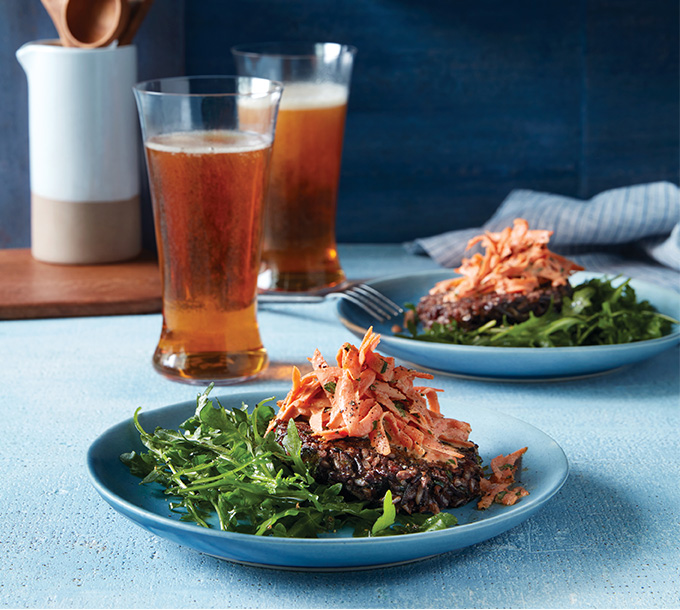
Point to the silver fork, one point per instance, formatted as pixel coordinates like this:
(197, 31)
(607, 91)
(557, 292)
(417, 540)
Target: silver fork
(373, 302)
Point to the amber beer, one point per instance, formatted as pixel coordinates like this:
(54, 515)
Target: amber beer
(299, 249)
(208, 190)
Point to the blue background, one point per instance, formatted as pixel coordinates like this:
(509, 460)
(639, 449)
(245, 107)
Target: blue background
(453, 103)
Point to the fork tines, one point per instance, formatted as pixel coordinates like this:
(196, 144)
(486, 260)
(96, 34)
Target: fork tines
(373, 302)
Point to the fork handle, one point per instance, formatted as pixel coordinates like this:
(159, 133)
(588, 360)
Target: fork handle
(289, 298)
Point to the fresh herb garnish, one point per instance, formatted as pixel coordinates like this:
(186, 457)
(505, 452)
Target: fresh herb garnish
(401, 406)
(221, 465)
(598, 313)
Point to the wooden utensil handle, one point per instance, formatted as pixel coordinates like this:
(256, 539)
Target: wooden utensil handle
(54, 9)
(138, 10)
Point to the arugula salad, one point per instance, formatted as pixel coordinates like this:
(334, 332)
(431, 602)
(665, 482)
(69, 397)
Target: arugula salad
(598, 313)
(220, 469)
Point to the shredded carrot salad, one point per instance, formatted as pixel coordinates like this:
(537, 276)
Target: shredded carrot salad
(517, 260)
(367, 396)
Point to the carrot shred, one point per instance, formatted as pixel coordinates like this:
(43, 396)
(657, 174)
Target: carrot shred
(516, 260)
(367, 396)
(500, 486)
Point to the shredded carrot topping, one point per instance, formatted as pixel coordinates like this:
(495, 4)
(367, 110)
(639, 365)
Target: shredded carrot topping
(517, 260)
(367, 396)
(500, 486)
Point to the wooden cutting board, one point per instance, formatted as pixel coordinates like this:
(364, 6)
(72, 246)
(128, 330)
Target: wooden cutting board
(31, 289)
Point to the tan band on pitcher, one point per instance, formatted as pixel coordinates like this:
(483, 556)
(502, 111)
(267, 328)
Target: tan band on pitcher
(74, 233)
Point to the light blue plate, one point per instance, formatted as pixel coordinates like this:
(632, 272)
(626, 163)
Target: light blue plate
(544, 471)
(507, 363)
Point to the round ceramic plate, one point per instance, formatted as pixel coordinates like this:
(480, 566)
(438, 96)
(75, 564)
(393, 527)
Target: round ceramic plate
(544, 471)
(506, 363)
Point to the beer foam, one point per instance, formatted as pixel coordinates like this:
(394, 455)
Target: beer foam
(306, 96)
(208, 142)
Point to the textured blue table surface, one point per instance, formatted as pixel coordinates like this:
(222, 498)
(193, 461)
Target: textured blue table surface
(609, 538)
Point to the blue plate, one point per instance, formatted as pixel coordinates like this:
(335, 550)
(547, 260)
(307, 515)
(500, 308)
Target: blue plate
(544, 471)
(507, 363)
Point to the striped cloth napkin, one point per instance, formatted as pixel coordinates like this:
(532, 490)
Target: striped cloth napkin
(632, 231)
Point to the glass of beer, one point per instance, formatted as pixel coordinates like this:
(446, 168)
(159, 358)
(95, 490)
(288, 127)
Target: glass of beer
(299, 249)
(208, 146)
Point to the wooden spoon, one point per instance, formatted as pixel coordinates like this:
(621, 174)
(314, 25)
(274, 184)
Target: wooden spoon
(94, 23)
(138, 10)
(54, 9)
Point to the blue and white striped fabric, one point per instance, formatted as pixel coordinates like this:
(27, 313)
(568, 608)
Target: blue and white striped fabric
(633, 231)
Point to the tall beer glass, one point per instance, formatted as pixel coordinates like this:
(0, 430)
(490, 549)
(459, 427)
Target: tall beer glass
(208, 145)
(300, 252)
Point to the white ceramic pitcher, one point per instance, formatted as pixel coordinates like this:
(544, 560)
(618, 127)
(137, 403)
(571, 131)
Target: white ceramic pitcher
(84, 153)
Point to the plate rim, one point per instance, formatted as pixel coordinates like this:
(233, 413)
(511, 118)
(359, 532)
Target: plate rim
(561, 473)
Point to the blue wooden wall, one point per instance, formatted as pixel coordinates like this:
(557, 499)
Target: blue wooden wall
(453, 103)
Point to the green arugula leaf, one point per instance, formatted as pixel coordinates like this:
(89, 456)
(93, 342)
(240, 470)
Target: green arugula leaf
(440, 521)
(387, 518)
(291, 443)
